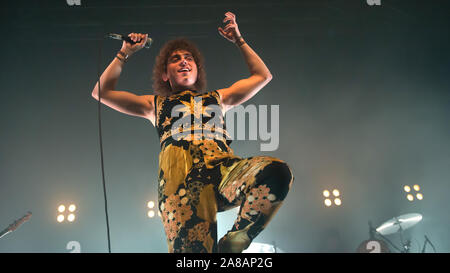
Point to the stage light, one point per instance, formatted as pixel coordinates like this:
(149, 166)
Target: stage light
(66, 214)
(61, 208)
(60, 218)
(151, 214)
(329, 198)
(337, 201)
(72, 208)
(71, 217)
(410, 197)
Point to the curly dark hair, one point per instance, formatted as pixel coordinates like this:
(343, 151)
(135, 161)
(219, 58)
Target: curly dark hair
(163, 88)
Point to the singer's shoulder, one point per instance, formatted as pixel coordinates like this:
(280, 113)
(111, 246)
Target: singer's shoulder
(150, 98)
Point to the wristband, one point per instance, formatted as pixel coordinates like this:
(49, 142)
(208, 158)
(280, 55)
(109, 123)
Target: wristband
(240, 41)
(124, 56)
(121, 59)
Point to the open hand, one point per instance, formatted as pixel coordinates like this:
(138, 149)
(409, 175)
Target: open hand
(231, 30)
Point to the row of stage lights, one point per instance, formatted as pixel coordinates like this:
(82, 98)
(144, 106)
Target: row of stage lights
(411, 193)
(333, 197)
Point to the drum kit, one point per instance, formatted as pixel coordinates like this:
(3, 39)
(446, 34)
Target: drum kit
(396, 225)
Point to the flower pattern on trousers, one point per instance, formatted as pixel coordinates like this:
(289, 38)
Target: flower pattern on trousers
(199, 232)
(175, 214)
(257, 201)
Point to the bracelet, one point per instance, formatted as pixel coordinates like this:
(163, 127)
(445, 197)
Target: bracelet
(240, 41)
(121, 59)
(124, 56)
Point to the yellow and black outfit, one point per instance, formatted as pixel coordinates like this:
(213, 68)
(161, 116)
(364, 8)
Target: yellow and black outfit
(199, 175)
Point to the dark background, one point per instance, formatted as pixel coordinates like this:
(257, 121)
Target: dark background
(364, 107)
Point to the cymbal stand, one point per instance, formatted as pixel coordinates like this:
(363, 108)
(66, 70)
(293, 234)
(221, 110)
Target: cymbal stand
(405, 245)
(373, 232)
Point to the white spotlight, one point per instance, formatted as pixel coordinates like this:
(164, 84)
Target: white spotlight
(72, 208)
(61, 208)
(337, 201)
(71, 217)
(60, 218)
(151, 214)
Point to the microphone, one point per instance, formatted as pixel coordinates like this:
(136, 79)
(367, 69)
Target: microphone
(121, 37)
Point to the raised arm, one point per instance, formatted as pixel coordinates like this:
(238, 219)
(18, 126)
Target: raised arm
(244, 89)
(123, 101)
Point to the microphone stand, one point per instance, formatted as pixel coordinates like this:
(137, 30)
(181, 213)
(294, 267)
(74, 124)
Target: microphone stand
(4, 232)
(274, 246)
(425, 244)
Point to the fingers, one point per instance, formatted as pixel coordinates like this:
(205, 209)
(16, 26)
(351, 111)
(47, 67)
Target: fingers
(230, 31)
(231, 19)
(138, 38)
(226, 19)
(143, 40)
(133, 36)
(231, 15)
(222, 32)
(226, 35)
(228, 27)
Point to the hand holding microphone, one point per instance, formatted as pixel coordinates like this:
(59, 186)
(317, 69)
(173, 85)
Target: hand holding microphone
(131, 44)
(138, 41)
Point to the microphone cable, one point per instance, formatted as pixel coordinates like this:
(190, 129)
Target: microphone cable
(117, 37)
(101, 143)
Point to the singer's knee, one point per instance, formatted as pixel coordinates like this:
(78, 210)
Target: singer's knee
(278, 177)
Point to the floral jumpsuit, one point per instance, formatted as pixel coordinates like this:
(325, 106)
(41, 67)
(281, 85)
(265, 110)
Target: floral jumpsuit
(199, 175)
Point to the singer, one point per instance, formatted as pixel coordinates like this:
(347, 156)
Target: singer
(199, 174)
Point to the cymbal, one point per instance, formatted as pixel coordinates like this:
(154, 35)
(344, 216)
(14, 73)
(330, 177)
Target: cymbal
(404, 221)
